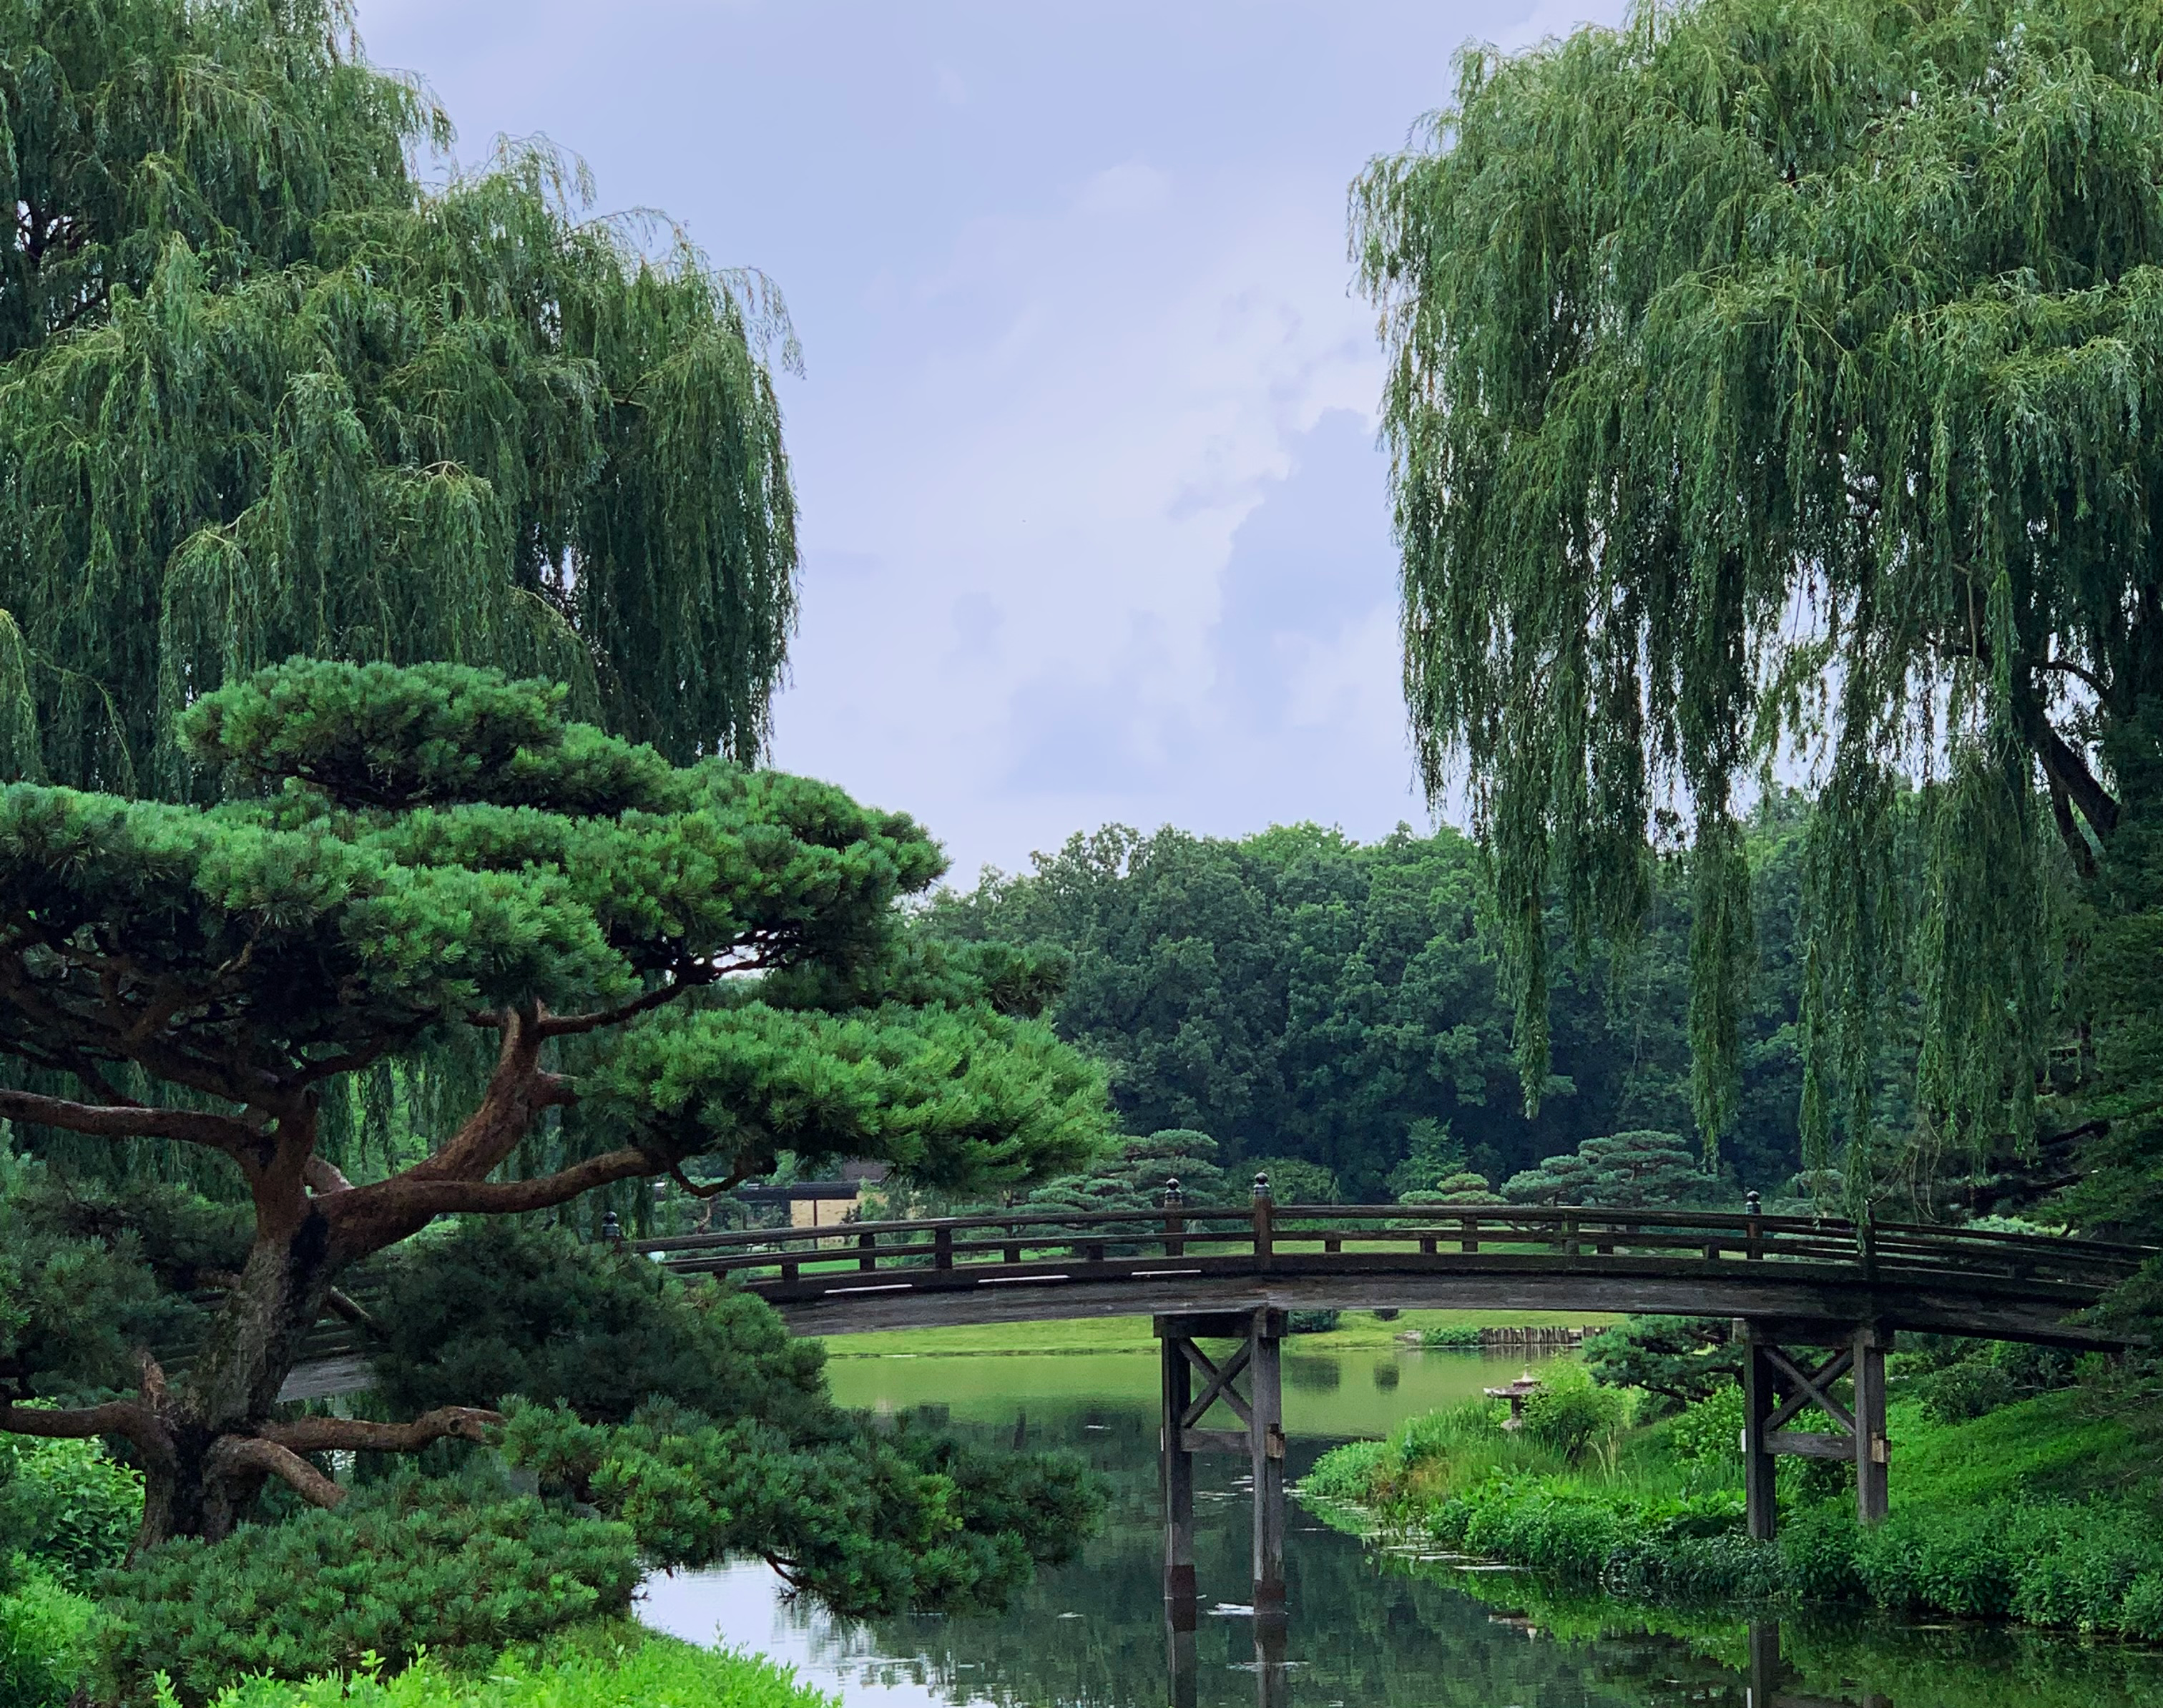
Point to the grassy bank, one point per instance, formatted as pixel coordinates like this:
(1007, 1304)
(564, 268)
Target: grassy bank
(1356, 1331)
(612, 1665)
(2045, 1512)
(47, 1636)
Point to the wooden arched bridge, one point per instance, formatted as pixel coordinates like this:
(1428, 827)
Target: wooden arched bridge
(1032, 1265)
(1817, 1303)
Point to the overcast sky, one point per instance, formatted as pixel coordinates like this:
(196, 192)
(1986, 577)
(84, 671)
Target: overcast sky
(1094, 524)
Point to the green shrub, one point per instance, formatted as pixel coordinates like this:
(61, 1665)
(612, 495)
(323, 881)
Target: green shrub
(502, 1307)
(67, 1505)
(1726, 1567)
(869, 1521)
(1710, 1432)
(2079, 1567)
(45, 1637)
(1312, 1322)
(1571, 1414)
(1957, 1380)
(410, 1565)
(1947, 1561)
(1817, 1555)
(1547, 1525)
(1680, 1360)
(1347, 1474)
(613, 1667)
(1450, 1335)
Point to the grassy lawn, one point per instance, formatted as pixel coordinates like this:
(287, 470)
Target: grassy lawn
(1356, 1329)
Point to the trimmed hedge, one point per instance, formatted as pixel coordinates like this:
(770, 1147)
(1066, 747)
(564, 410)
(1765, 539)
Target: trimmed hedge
(421, 1566)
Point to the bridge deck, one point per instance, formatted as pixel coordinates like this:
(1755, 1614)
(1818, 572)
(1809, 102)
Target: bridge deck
(1787, 1271)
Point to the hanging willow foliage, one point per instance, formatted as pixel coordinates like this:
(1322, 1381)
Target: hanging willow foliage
(264, 393)
(1785, 377)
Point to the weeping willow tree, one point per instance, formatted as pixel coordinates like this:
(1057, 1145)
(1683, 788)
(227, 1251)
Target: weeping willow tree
(265, 392)
(1780, 383)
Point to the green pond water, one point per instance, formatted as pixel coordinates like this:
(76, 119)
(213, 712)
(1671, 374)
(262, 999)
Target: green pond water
(1370, 1624)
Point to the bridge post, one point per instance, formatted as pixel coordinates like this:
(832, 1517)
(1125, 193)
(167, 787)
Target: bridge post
(1760, 1504)
(1858, 1433)
(1177, 1479)
(1267, 1454)
(1872, 1451)
(1260, 1333)
(1264, 1222)
(1764, 1677)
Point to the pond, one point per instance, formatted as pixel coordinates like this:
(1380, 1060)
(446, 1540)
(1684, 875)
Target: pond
(1370, 1627)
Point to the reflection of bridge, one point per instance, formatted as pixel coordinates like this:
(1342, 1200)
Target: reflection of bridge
(1817, 1301)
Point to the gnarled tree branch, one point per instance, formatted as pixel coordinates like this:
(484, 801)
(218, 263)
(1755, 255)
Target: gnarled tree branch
(129, 1419)
(281, 1462)
(358, 1435)
(370, 1218)
(688, 979)
(127, 1120)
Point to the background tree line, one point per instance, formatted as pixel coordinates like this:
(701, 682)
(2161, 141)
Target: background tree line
(1299, 996)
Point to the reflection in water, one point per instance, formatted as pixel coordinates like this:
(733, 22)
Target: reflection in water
(1368, 1627)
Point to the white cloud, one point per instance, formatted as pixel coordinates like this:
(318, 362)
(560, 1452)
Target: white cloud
(1093, 527)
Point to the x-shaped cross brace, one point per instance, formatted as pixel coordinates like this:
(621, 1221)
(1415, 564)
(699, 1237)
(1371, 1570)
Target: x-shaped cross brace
(1218, 1383)
(1815, 1386)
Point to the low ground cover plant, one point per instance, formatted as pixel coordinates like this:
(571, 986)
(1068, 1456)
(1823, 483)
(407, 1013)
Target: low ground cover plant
(612, 1664)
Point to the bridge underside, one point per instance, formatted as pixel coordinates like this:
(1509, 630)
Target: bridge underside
(1789, 1299)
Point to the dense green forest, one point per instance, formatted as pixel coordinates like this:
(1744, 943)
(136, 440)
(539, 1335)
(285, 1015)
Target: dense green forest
(1295, 994)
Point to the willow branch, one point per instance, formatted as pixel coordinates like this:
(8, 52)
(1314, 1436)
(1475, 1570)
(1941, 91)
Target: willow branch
(2069, 832)
(2063, 764)
(358, 1435)
(2074, 668)
(263, 1454)
(127, 1120)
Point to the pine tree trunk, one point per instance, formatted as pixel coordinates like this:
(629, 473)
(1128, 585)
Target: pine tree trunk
(201, 1487)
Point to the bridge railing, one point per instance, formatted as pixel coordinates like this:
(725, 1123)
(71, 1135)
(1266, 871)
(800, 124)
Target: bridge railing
(1036, 1243)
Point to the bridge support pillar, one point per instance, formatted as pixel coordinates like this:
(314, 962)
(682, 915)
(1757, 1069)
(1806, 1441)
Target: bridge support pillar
(1761, 1506)
(1256, 1357)
(1873, 1452)
(1780, 1381)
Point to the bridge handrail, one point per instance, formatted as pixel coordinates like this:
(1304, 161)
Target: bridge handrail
(1152, 1224)
(1034, 1241)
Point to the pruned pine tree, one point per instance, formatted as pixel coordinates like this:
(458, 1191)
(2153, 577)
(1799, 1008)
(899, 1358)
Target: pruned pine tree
(1133, 1174)
(1622, 1170)
(1770, 377)
(662, 956)
(267, 393)
(1464, 1187)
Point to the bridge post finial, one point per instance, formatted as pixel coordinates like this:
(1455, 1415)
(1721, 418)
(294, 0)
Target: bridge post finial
(611, 1229)
(1752, 1205)
(1261, 1187)
(1171, 1192)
